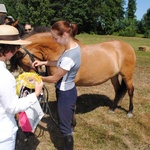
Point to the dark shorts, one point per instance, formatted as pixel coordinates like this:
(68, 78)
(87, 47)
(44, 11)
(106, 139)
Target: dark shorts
(66, 102)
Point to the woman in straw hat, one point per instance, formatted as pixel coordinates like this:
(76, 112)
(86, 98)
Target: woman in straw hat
(10, 104)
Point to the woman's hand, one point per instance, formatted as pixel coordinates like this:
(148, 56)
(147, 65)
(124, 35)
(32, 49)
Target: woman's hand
(46, 63)
(37, 63)
(38, 88)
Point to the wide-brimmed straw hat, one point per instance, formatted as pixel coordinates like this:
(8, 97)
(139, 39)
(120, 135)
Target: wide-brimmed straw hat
(10, 35)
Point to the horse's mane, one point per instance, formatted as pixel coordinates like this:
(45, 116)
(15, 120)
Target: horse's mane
(42, 40)
(40, 29)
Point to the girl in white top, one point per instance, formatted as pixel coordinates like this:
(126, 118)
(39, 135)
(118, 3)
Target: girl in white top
(67, 65)
(10, 104)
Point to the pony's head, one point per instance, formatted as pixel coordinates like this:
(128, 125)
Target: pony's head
(43, 47)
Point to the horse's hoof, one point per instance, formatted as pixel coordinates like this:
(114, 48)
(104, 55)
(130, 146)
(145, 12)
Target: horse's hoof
(111, 111)
(129, 115)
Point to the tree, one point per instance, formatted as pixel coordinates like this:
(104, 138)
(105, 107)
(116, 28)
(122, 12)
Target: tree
(77, 11)
(36, 12)
(111, 14)
(140, 28)
(146, 23)
(131, 9)
(57, 8)
(129, 23)
(10, 7)
(128, 28)
(91, 16)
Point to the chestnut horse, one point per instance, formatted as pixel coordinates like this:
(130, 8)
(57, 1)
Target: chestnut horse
(99, 63)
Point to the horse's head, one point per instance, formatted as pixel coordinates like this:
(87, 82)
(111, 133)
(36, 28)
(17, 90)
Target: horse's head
(23, 58)
(43, 47)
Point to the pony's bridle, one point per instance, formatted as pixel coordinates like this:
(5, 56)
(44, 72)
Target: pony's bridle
(31, 56)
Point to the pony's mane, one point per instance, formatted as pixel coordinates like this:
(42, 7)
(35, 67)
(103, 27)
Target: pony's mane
(40, 29)
(42, 39)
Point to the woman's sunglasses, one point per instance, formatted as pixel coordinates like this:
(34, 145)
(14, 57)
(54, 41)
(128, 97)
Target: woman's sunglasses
(28, 29)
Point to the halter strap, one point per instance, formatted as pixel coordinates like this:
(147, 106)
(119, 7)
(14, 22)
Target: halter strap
(9, 37)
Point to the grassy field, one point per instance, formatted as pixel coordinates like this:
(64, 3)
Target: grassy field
(96, 128)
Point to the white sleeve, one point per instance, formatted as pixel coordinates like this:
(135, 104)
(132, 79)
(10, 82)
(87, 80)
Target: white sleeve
(66, 63)
(10, 101)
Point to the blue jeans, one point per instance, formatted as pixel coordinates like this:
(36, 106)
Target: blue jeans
(66, 102)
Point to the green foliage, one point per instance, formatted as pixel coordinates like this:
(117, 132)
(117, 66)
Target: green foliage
(110, 18)
(146, 24)
(93, 16)
(140, 28)
(147, 34)
(143, 26)
(128, 31)
(35, 11)
(131, 9)
(77, 11)
(127, 28)
(56, 7)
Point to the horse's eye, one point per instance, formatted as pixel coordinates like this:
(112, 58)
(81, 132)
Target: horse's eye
(17, 53)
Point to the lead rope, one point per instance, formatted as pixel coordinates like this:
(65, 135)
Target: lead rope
(47, 106)
(41, 96)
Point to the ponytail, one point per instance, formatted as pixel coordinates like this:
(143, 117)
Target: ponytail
(65, 26)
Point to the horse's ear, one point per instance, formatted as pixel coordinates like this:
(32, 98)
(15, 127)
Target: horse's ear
(15, 23)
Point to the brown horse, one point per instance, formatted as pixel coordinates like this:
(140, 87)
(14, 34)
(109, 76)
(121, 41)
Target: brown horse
(100, 62)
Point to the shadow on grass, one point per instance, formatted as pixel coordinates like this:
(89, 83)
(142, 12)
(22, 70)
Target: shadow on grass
(89, 102)
(85, 103)
(23, 141)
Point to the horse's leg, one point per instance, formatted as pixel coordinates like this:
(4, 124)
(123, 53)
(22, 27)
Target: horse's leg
(116, 85)
(120, 91)
(130, 93)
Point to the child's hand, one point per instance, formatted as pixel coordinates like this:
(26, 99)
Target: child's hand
(38, 88)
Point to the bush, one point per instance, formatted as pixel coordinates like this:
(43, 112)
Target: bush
(128, 31)
(147, 34)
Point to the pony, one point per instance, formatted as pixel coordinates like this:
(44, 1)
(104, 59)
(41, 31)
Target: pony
(100, 62)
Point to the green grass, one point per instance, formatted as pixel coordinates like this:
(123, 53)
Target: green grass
(134, 41)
